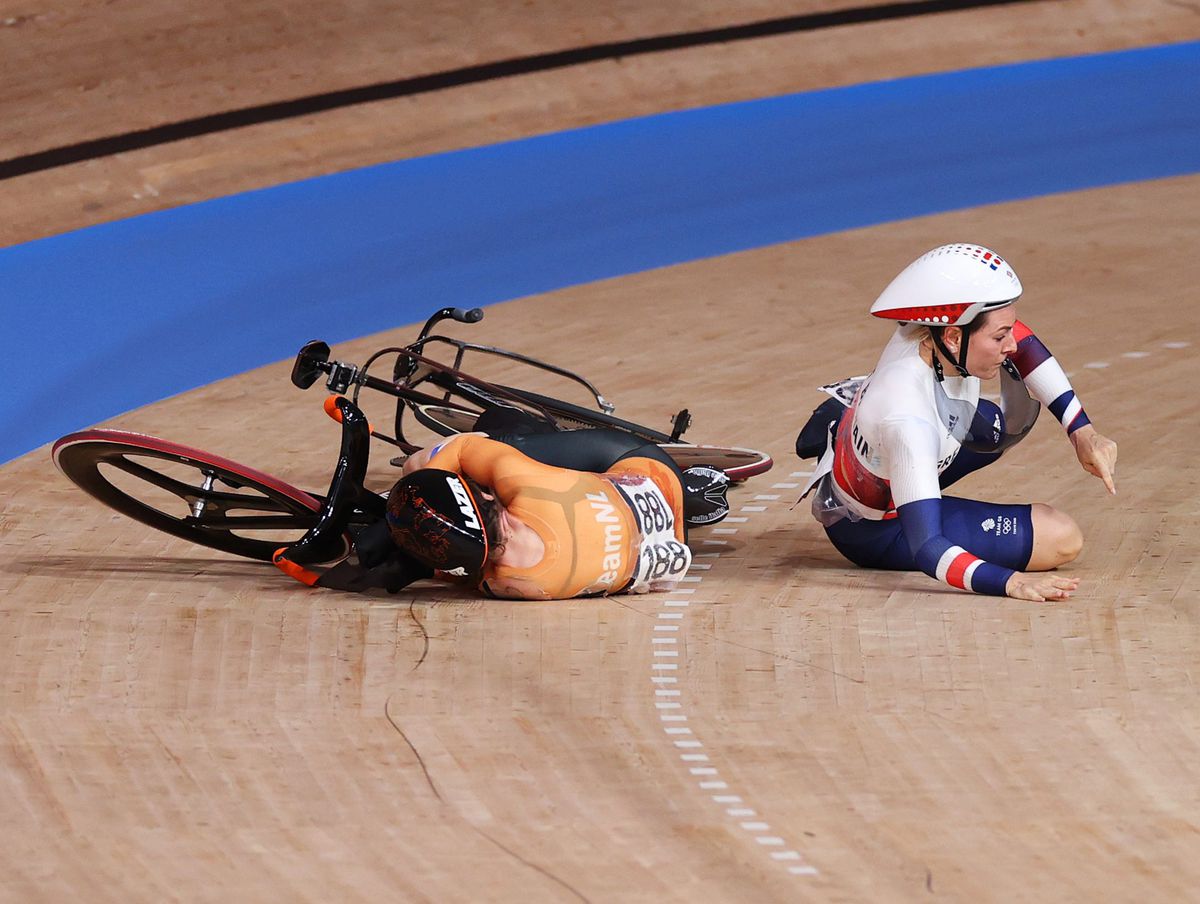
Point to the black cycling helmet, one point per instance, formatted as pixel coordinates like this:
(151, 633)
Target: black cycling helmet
(704, 490)
(435, 518)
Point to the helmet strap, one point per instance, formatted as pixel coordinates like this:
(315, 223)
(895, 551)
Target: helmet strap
(960, 363)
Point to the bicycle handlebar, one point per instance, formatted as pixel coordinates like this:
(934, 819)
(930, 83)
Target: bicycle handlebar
(462, 315)
(313, 358)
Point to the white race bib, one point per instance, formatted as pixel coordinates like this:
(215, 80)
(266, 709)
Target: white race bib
(662, 559)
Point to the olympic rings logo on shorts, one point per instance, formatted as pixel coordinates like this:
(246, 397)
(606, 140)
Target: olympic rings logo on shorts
(999, 526)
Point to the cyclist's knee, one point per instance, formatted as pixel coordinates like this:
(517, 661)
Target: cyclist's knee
(1057, 539)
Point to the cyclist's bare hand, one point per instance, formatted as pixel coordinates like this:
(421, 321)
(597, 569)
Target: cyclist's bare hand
(1097, 454)
(1038, 587)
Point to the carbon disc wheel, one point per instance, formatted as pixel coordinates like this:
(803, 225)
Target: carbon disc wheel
(189, 493)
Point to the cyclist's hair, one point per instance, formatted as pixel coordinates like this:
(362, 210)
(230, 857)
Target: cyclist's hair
(970, 328)
(489, 508)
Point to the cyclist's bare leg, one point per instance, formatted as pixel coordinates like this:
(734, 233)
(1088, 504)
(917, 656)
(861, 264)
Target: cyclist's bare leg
(1057, 539)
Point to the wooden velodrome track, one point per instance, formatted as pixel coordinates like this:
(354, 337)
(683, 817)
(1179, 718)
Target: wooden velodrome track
(180, 725)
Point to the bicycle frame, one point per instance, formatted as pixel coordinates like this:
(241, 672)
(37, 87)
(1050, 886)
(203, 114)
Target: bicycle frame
(412, 369)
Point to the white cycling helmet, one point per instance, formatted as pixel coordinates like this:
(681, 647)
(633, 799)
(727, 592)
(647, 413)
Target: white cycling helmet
(949, 286)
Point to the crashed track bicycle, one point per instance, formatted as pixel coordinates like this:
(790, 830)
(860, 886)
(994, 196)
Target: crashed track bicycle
(224, 505)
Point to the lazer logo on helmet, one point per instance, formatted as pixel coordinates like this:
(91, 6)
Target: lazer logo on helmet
(464, 502)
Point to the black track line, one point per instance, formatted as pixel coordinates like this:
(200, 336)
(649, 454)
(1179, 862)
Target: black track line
(437, 81)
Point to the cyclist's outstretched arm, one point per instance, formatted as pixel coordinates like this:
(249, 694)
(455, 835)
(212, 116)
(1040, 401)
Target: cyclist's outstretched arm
(1048, 383)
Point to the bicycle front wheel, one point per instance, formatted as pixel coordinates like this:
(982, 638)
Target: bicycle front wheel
(189, 493)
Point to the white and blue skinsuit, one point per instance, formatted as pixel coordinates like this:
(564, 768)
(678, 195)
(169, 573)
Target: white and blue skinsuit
(899, 445)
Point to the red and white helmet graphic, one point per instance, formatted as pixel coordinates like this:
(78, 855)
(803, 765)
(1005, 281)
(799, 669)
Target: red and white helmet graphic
(949, 286)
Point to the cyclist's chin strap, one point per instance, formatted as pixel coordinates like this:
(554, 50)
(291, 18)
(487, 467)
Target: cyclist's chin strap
(960, 363)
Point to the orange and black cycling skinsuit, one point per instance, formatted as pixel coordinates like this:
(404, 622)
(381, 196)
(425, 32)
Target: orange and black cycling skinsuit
(603, 533)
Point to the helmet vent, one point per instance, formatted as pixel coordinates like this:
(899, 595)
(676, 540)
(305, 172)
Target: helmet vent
(988, 258)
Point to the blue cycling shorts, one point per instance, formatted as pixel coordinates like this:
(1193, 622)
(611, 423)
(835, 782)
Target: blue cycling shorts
(1002, 534)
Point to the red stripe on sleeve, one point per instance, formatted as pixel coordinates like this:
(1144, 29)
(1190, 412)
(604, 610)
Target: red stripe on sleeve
(1020, 331)
(958, 569)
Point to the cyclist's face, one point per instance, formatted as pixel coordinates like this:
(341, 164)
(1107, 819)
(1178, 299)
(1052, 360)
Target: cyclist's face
(991, 343)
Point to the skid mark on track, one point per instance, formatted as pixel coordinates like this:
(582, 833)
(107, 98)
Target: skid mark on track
(476, 829)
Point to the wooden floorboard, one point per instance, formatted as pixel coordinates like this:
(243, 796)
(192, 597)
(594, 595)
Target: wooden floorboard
(182, 725)
(144, 65)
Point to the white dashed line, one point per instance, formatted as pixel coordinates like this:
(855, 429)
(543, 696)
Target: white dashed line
(671, 711)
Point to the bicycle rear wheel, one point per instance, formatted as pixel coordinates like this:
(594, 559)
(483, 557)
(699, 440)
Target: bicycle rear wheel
(189, 493)
(567, 416)
(737, 463)
(443, 420)
(572, 417)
